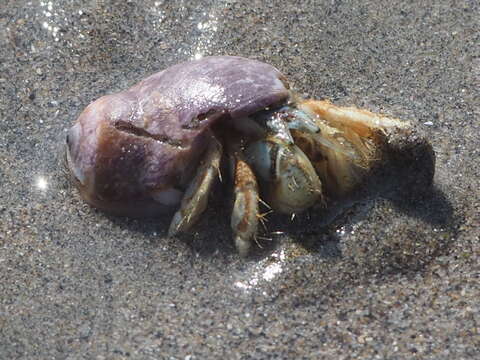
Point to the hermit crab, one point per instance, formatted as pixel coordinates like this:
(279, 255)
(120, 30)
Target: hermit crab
(160, 146)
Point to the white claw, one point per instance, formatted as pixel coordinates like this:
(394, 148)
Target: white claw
(287, 176)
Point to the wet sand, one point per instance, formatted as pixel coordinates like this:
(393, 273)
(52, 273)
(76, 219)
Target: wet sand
(390, 277)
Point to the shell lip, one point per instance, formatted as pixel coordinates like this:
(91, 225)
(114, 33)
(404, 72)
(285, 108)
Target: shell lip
(260, 104)
(74, 171)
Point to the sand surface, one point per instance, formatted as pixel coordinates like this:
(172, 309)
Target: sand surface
(394, 277)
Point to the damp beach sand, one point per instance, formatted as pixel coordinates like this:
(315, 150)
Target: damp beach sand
(396, 276)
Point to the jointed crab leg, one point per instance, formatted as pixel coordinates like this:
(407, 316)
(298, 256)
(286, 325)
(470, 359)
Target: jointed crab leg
(195, 199)
(349, 143)
(362, 122)
(244, 220)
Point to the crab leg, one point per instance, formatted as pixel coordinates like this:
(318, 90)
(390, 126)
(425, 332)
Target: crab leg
(195, 199)
(349, 144)
(244, 220)
(362, 122)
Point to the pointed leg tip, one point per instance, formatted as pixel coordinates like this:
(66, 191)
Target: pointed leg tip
(171, 233)
(243, 246)
(175, 225)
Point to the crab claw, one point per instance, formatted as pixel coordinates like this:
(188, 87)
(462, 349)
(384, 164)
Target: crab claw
(286, 175)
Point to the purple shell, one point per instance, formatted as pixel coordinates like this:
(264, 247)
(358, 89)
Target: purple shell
(149, 138)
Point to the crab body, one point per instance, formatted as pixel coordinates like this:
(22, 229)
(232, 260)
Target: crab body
(159, 146)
